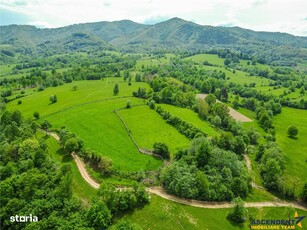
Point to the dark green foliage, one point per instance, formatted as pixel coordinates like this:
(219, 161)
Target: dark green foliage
(292, 131)
(187, 129)
(138, 77)
(32, 183)
(272, 166)
(36, 115)
(96, 161)
(128, 105)
(179, 179)
(202, 108)
(125, 199)
(206, 172)
(141, 93)
(210, 99)
(249, 103)
(152, 104)
(203, 151)
(227, 62)
(53, 99)
(105, 165)
(116, 90)
(253, 136)
(46, 125)
(238, 214)
(125, 225)
(162, 150)
(304, 193)
(6, 93)
(239, 145)
(264, 118)
(217, 121)
(72, 145)
(99, 216)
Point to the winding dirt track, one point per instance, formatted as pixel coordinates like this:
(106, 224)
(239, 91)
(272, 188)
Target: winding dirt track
(83, 172)
(195, 203)
(214, 205)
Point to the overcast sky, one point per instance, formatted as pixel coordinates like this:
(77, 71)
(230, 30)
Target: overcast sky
(262, 15)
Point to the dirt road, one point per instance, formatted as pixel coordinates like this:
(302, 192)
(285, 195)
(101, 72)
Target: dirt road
(83, 172)
(195, 203)
(215, 205)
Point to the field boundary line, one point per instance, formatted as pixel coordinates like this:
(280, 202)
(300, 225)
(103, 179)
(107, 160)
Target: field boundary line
(141, 150)
(85, 103)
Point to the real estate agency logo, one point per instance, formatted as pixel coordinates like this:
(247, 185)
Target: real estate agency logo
(292, 223)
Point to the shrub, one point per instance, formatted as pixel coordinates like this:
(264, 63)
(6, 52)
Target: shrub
(53, 99)
(152, 104)
(128, 105)
(36, 115)
(238, 213)
(162, 150)
(292, 131)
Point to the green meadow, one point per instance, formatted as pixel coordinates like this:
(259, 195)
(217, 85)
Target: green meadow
(102, 131)
(211, 58)
(295, 149)
(87, 91)
(89, 113)
(163, 214)
(147, 127)
(240, 77)
(6, 69)
(191, 117)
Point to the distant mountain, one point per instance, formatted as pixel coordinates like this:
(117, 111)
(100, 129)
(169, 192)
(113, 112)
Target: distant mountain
(171, 35)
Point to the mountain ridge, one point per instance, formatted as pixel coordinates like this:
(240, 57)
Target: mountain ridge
(174, 34)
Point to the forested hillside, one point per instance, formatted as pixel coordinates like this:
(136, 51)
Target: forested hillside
(177, 35)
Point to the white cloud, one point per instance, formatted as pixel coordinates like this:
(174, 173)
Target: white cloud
(41, 24)
(274, 15)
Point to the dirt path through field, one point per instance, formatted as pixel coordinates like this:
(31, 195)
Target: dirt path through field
(233, 113)
(214, 205)
(84, 173)
(195, 203)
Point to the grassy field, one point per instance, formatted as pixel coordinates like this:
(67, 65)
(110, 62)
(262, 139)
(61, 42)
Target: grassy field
(6, 69)
(258, 65)
(163, 214)
(103, 132)
(147, 127)
(240, 77)
(211, 58)
(191, 117)
(79, 186)
(295, 149)
(87, 91)
(95, 123)
(150, 61)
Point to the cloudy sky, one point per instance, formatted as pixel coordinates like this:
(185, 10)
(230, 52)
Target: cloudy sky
(262, 15)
